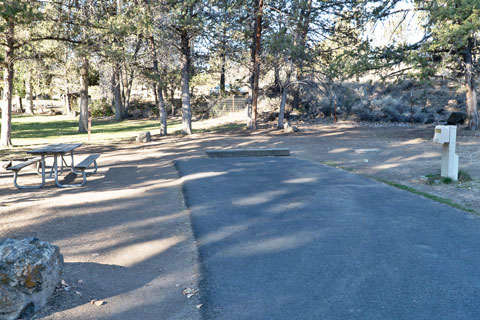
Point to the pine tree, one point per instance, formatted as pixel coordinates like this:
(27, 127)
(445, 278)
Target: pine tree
(452, 40)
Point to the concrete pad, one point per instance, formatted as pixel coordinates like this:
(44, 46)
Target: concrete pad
(283, 238)
(228, 153)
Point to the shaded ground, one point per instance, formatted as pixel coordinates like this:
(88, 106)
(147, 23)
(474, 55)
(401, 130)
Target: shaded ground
(125, 237)
(126, 234)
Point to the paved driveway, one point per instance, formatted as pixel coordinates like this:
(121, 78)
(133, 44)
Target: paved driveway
(283, 238)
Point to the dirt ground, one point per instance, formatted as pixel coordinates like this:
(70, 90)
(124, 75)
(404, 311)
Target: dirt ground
(126, 236)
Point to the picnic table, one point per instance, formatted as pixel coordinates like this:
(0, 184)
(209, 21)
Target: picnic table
(58, 151)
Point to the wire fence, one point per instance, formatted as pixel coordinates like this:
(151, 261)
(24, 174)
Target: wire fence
(223, 106)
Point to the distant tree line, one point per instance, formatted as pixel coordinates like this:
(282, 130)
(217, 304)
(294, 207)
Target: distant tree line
(167, 42)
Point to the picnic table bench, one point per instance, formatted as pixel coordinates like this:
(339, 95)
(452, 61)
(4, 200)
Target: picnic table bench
(56, 150)
(16, 168)
(83, 166)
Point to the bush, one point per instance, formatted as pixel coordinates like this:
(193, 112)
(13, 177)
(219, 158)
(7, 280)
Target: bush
(464, 176)
(367, 114)
(406, 84)
(393, 109)
(142, 109)
(363, 111)
(101, 108)
(325, 107)
(348, 97)
(420, 117)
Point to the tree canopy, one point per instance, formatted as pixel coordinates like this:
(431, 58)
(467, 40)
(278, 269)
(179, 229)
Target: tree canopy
(305, 44)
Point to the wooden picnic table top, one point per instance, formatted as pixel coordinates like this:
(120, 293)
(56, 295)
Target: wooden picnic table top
(55, 148)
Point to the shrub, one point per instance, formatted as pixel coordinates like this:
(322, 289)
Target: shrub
(446, 180)
(392, 109)
(406, 84)
(362, 111)
(101, 108)
(142, 109)
(347, 97)
(464, 176)
(370, 115)
(325, 107)
(420, 117)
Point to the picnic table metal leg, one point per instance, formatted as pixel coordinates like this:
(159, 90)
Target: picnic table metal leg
(55, 164)
(55, 167)
(73, 164)
(62, 161)
(15, 176)
(42, 166)
(39, 172)
(43, 170)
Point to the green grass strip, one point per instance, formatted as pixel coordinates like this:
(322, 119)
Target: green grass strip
(446, 201)
(426, 195)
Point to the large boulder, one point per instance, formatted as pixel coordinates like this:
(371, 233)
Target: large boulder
(144, 136)
(30, 269)
(456, 118)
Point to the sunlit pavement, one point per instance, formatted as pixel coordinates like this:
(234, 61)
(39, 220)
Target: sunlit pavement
(284, 238)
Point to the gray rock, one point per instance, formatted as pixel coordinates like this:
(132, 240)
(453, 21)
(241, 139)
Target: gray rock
(288, 128)
(30, 269)
(455, 118)
(144, 136)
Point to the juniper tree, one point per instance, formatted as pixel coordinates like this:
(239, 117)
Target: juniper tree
(452, 41)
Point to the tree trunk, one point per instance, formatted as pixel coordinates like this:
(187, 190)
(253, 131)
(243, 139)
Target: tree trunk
(129, 75)
(249, 106)
(68, 98)
(256, 65)
(117, 94)
(160, 102)
(186, 109)
(276, 80)
(300, 40)
(281, 112)
(172, 100)
(20, 104)
(223, 47)
(165, 96)
(223, 58)
(83, 121)
(155, 94)
(128, 90)
(28, 95)
(68, 103)
(162, 112)
(6, 134)
(222, 75)
(472, 111)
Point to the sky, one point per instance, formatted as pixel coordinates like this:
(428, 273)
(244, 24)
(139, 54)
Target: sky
(388, 31)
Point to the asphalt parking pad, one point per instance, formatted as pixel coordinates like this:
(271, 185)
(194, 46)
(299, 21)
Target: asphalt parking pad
(283, 238)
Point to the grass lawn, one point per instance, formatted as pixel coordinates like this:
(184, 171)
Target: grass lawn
(29, 132)
(37, 130)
